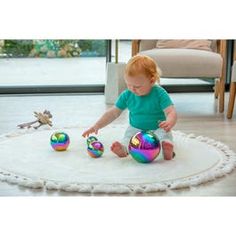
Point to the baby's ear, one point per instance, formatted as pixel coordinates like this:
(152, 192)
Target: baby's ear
(153, 80)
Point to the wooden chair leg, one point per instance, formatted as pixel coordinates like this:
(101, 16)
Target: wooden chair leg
(223, 52)
(221, 94)
(231, 100)
(216, 87)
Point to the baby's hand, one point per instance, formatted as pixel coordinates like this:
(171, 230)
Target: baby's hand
(166, 125)
(90, 131)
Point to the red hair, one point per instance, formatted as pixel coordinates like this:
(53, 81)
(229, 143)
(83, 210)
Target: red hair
(144, 65)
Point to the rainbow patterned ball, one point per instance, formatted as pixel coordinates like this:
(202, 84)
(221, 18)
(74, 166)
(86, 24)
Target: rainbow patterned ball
(91, 139)
(95, 149)
(60, 141)
(144, 146)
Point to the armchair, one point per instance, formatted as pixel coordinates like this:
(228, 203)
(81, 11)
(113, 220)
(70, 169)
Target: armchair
(189, 63)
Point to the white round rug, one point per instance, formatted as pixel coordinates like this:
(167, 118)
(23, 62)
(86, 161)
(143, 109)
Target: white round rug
(27, 159)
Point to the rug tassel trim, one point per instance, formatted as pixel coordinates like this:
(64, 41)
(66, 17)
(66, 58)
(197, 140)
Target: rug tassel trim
(226, 165)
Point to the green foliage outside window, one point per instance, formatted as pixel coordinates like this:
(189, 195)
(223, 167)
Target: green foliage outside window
(52, 48)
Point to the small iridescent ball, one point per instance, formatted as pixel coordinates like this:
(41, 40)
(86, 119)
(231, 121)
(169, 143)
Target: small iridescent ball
(60, 141)
(144, 146)
(91, 139)
(95, 149)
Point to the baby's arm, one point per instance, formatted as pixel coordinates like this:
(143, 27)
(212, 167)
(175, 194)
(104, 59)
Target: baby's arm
(109, 116)
(171, 119)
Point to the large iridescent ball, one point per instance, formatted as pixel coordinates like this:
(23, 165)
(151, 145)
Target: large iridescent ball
(60, 141)
(144, 146)
(95, 149)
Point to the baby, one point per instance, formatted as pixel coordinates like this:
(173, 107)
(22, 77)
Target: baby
(149, 105)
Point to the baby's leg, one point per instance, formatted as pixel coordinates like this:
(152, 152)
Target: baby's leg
(121, 148)
(167, 145)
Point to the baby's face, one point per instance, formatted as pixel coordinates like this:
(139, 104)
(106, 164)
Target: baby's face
(139, 85)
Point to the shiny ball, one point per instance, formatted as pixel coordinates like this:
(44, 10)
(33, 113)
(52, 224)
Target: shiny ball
(60, 141)
(95, 149)
(91, 139)
(144, 146)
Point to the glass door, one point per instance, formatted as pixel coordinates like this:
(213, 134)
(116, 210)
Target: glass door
(41, 64)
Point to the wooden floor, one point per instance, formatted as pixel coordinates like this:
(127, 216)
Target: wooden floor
(196, 111)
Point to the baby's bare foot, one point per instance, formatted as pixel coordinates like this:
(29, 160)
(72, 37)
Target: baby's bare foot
(167, 148)
(119, 149)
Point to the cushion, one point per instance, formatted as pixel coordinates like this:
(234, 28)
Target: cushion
(147, 44)
(186, 62)
(193, 44)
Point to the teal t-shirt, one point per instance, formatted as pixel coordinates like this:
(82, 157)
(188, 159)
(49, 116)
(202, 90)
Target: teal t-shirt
(146, 111)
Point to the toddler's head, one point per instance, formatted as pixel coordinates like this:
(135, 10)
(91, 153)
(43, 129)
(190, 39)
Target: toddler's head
(141, 74)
